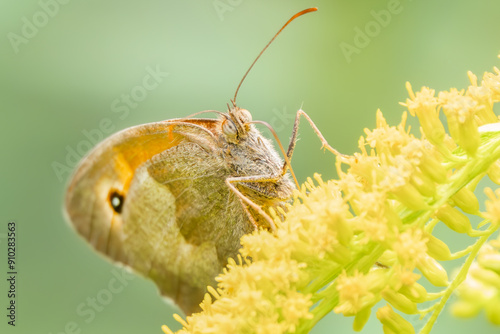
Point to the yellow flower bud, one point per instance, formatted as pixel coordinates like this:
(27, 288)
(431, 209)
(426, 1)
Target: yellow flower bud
(492, 309)
(410, 247)
(490, 261)
(166, 330)
(433, 271)
(424, 106)
(433, 168)
(491, 82)
(179, 319)
(486, 276)
(482, 95)
(393, 219)
(410, 197)
(437, 248)
(469, 136)
(494, 172)
(339, 224)
(454, 219)
(387, 330)
(399, 301)
(453, 127)
(361, 318)
(465, 309)
(377, 279)
(415, 292)
(466, 200)
(341, 254)
(354, 294)
(393, 321)
(423, 183)
(493, 205)
(388, 258)
(460, 112)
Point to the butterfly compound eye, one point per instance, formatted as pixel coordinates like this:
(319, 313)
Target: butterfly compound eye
(116, 201)
(229, 128)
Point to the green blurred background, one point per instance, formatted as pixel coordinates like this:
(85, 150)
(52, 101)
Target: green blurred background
(64, 79)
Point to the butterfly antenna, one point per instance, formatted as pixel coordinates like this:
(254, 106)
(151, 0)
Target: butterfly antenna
(305, 11)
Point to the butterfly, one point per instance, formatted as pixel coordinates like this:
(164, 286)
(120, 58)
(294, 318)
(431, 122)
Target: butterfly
(172, 199)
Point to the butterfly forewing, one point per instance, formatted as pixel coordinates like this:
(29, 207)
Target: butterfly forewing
(153, 197)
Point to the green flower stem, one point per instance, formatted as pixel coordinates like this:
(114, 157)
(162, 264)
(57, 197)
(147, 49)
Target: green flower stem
(462, 253)
(325, 307)
(330, 295)
(488, 153)
(429, 227)
(456, 282)
(321, 281)
(434, 295)
(476, 233)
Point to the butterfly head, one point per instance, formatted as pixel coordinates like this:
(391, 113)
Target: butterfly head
(236, 124)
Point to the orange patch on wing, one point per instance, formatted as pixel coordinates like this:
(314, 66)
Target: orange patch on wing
(123, 170)
(170, 133)
(130, 154)
(144, 147)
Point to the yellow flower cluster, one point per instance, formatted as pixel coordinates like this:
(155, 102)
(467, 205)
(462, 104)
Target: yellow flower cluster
(347, 244)
(266, 294)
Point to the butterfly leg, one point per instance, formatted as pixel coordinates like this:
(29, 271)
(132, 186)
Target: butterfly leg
(293, 138)
(230, 181)
(250, 216)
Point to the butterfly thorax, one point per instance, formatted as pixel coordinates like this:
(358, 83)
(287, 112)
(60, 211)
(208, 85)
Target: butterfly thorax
(247, 153)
